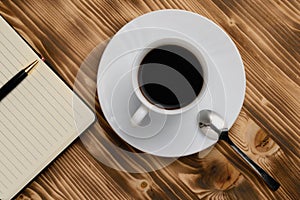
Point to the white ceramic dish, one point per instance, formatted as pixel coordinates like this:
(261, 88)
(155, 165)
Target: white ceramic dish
(177, 135)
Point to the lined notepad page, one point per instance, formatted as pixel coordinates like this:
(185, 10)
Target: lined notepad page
(36, 118)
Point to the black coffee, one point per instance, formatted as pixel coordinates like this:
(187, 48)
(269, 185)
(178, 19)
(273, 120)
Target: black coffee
(170, 76)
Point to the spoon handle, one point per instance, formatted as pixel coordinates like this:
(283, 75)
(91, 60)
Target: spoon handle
(271, 183)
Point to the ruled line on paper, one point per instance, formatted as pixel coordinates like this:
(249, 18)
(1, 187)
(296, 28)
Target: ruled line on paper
(21, 54)
(3, 185)
(38, 103)
(36, 118)
(21, 152)
(41, 82)
(38, 91)
(4, 175)
(66, 103)
(16, 54)
(41, 124)
(25, 122)
(13, 134)
(8, 168)
(15, 128)
(15, 112)
(14, 155)
(12, 164)
(17, 149)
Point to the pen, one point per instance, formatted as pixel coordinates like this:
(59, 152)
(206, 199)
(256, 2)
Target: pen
(16, 80)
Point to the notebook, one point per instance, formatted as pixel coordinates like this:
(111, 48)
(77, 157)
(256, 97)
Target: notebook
(36, 118)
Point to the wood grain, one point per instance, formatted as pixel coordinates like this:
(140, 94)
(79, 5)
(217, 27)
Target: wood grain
(267, 34)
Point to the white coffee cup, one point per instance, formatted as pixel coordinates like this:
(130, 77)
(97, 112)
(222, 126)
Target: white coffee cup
(146, 105)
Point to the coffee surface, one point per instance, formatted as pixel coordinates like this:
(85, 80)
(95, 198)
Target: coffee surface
(170, 76)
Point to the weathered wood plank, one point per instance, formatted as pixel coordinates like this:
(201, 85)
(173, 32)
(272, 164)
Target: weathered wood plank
(267, 130)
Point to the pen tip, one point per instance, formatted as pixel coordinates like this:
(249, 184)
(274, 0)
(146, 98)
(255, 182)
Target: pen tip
(43, 58)
(31, 66)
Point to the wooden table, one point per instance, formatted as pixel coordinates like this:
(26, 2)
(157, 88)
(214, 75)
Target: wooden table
(267, 34)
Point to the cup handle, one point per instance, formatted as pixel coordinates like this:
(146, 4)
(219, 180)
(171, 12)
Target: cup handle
(139, 115)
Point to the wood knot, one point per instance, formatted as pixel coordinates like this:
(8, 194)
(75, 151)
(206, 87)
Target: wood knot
(219, 175)
(24, 197)
(231, 22)
(143, 185)
(214, 173)
(259, 142)
(263, 144)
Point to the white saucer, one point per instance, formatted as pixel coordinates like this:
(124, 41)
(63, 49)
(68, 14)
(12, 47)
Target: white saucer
(177, 135)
